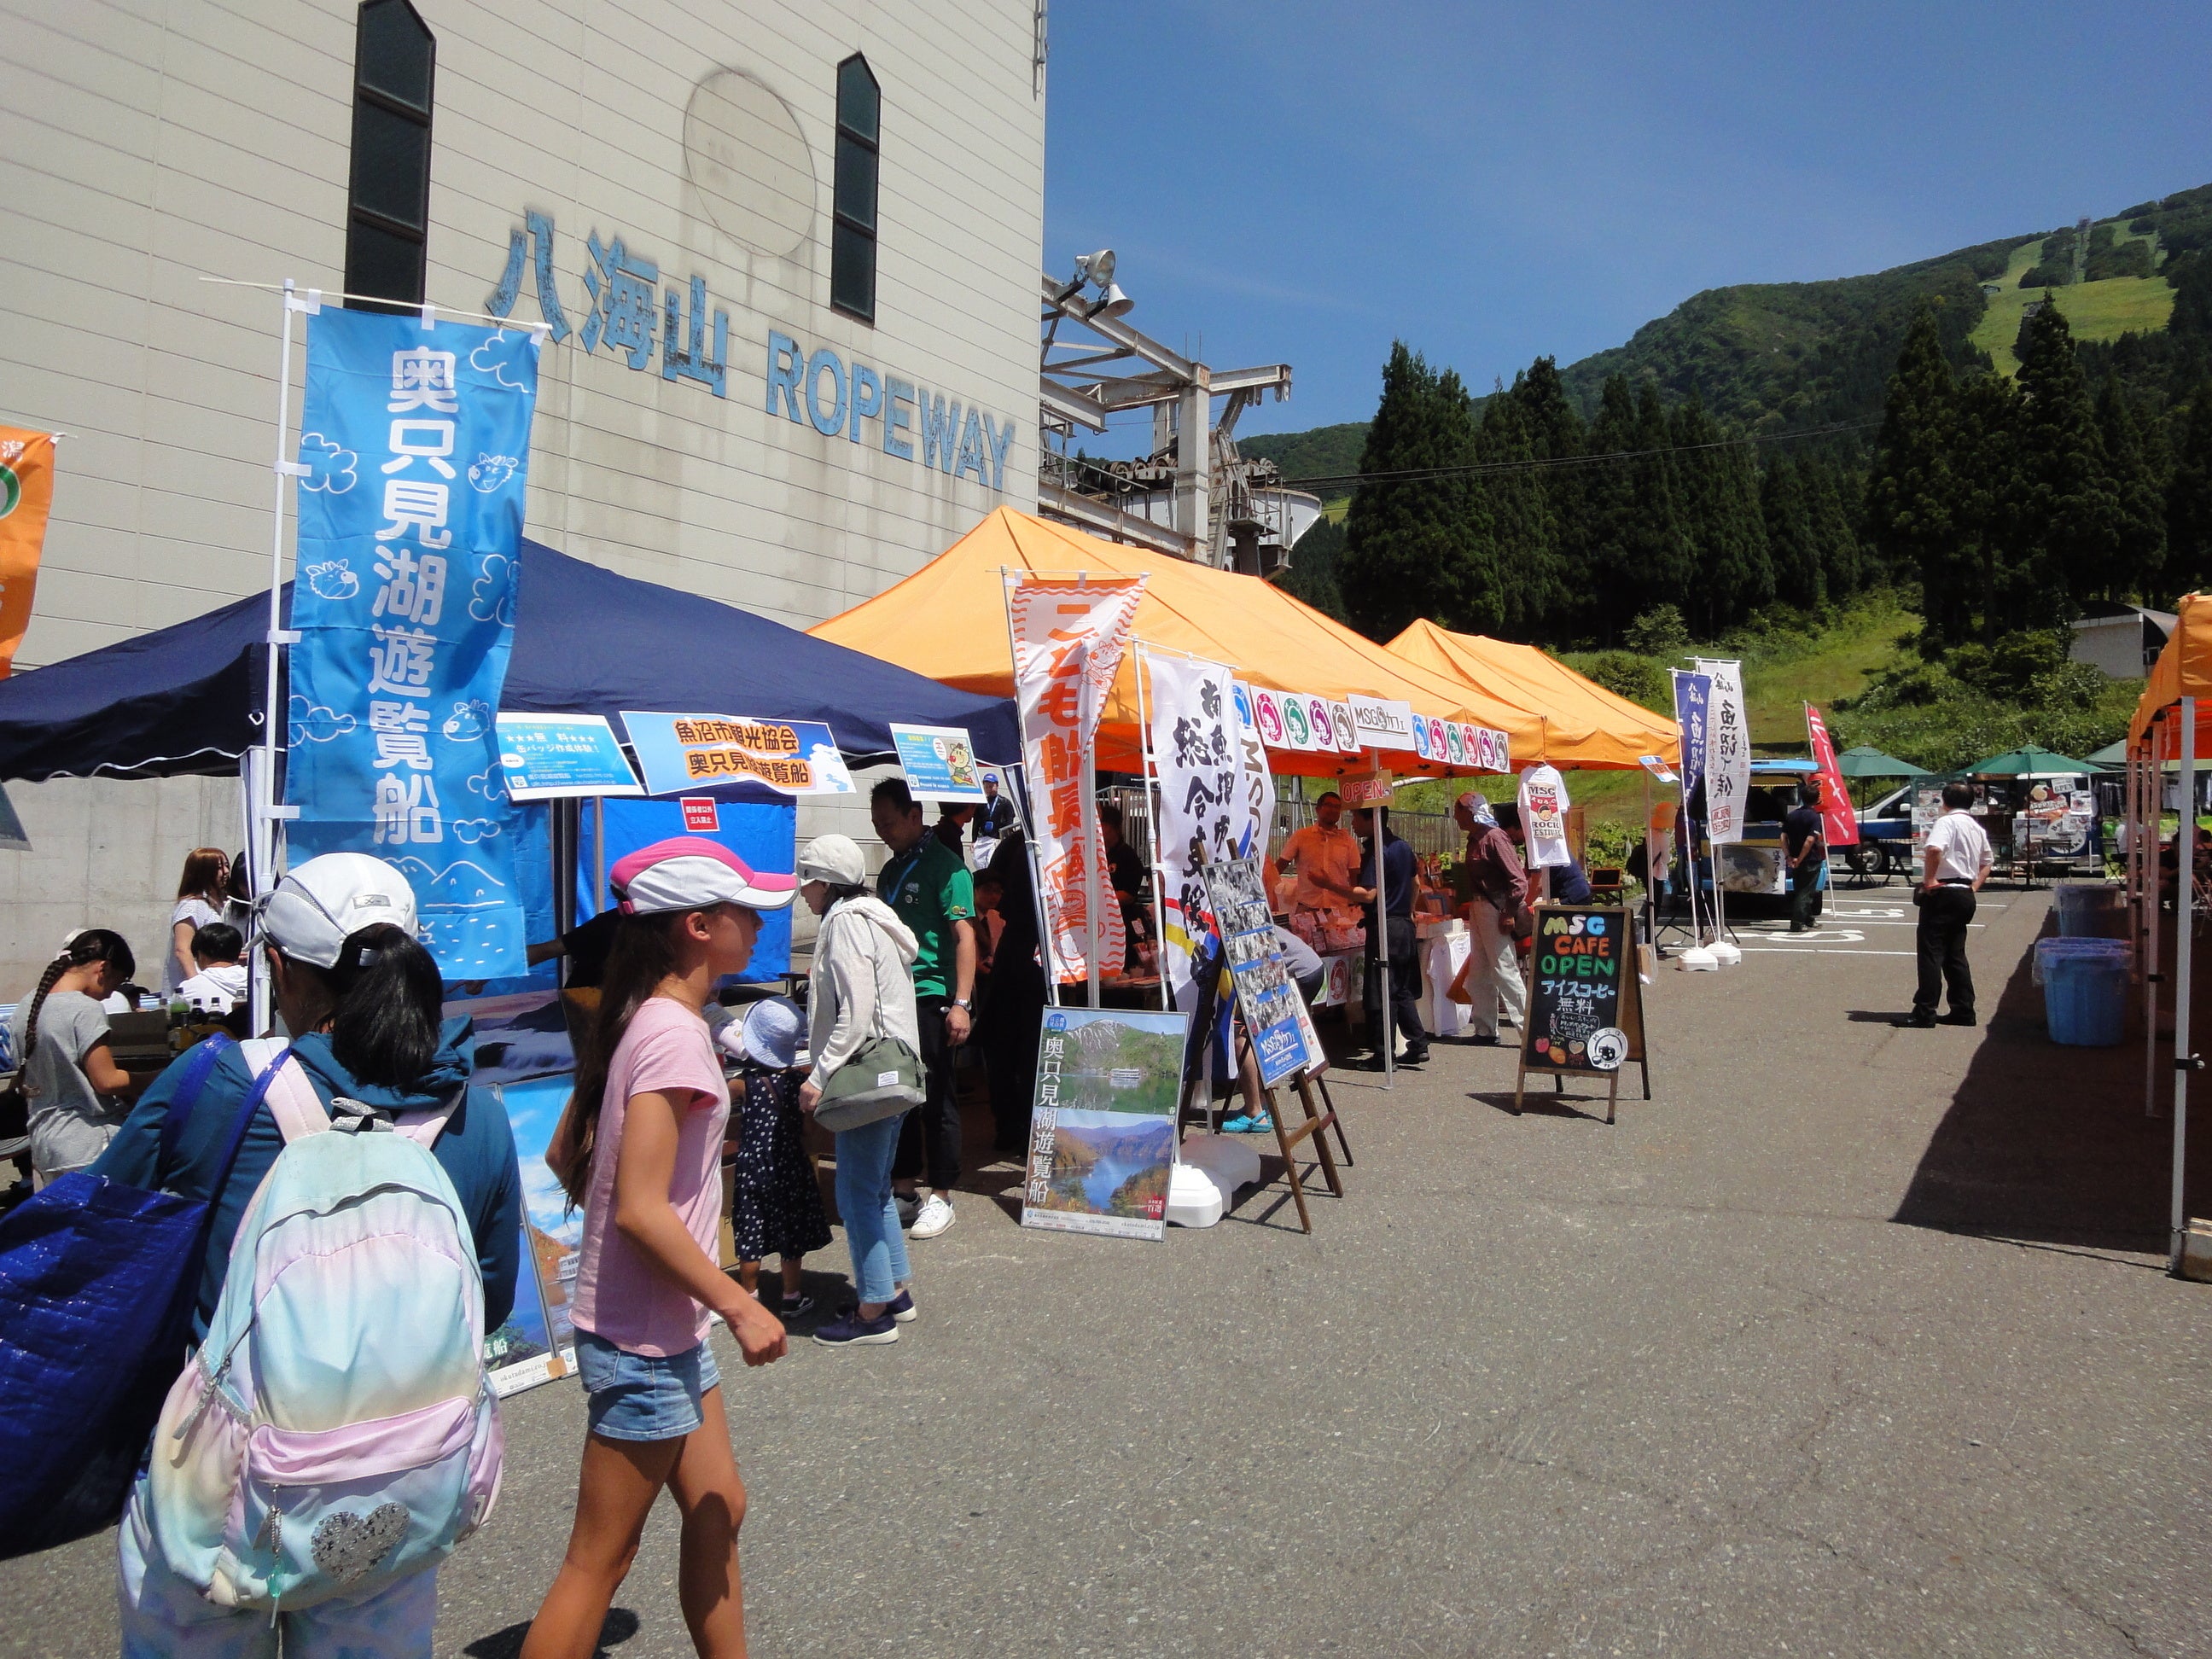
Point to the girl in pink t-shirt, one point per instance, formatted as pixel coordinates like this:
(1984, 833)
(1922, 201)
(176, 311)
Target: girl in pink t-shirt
(640, 1148)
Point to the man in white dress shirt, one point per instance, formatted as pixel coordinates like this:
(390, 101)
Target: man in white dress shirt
(1955, 864)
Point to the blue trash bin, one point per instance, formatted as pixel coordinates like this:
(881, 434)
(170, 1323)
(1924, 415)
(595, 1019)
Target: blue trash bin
(2085, 990)
(2091, 910)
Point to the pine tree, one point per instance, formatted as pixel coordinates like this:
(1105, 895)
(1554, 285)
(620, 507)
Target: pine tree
(2188, 498)
(1796, 555)
(1984, 473)
(1638, 558)
(1910, 491)
(1418, 547)
(1721, 527)
(2142, 522)
(1556, 432)
(1521, 526)
(1833, 526)
(2062, 526)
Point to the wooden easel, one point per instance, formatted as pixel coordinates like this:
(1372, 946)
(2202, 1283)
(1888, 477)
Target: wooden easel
(1632, 1027)
(1318, 1118)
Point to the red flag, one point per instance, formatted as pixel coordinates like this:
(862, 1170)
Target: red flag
(1839, 820)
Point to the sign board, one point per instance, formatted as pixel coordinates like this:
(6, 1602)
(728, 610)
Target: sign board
(1585, 1002)
(1102, 1134)
(939, 763)
(1267, 715)
(1347, 735)
(678, 753)
(1364, 791)
(1283, 1039)
(554, 757)
(700, 814)
(1382, 724)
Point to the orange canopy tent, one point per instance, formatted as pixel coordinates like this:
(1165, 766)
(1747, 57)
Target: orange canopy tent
(1581, 723)
(948, 621)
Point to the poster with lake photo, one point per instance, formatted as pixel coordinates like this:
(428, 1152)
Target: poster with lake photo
(538, 1344)
(1102, 1139)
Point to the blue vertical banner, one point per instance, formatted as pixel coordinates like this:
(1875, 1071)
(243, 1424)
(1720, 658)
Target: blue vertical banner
(1693, 696)
(416, 442)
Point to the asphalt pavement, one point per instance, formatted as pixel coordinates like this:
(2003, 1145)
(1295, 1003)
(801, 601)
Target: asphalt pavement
(1853, 1341)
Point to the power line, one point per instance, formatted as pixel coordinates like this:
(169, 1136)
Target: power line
(1558, 462)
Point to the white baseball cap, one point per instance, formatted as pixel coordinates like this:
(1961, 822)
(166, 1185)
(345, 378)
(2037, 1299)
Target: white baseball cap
(835, 860)
(317, 906)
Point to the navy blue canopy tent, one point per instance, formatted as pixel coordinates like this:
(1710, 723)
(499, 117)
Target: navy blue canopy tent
(186, 699)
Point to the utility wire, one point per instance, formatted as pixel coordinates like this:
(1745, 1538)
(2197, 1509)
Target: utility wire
(1558, 462)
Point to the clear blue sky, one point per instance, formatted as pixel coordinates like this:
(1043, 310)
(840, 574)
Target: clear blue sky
(1304, 182)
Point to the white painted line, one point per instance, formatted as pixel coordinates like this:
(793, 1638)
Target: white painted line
(1821, 951)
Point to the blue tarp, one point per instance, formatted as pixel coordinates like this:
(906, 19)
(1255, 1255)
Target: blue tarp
(186, 699)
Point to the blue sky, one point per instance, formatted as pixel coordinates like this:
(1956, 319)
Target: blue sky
(1305, 182)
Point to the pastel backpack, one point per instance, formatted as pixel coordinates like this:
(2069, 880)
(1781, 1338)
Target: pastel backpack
(335, 1432)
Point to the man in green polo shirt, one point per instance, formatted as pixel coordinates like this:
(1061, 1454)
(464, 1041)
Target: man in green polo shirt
(928, 887)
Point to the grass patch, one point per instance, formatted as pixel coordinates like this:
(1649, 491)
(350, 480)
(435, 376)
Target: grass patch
(2095, 311)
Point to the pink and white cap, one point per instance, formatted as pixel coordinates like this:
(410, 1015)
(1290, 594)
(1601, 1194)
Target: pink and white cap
(690, 873)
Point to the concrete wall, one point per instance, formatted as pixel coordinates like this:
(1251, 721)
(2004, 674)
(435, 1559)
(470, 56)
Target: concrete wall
(104, 852)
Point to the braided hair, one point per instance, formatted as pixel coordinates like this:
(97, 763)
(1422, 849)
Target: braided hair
(93, 944)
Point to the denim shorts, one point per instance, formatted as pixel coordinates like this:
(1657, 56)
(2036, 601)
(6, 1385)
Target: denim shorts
(642, 1396)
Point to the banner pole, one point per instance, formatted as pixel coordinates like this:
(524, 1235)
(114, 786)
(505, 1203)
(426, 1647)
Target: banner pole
(1028, 787)
(261, 844)
(1092, 841)
(2185, 929)
(1153, 817)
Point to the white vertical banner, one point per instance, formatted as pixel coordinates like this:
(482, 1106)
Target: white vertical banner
(1068, 634)
(1727, 777)
(1198, 754)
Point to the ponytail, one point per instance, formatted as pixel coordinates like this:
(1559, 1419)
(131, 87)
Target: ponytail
(642, 955)
(91, 945)
(389, 1002)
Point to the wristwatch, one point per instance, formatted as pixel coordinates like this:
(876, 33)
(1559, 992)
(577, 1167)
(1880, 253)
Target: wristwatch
(965, 1005)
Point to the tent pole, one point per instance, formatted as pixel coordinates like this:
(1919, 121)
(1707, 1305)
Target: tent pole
(2155, 789)
(2184, 926)
(1383, 930)
(2143, 868)
(1092, 841)
(1153, 828)
(261, 847)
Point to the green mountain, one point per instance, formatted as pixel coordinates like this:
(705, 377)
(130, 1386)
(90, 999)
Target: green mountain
(1783, 356)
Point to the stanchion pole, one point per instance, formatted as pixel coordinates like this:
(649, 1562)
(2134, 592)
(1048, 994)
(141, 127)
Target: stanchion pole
(2183, 930)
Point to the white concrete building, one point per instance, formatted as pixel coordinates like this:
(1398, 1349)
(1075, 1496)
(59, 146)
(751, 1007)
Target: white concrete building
(852, 284)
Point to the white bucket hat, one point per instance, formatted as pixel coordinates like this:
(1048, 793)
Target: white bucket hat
(317, 906)
(835, 860)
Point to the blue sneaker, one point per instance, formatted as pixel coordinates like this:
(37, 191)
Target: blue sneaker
(851, 1331)
(901, 1308)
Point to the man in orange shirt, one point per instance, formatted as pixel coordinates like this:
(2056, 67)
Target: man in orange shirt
(1327, 856)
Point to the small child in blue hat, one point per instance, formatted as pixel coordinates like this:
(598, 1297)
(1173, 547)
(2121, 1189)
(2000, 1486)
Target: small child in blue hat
(775, 1201)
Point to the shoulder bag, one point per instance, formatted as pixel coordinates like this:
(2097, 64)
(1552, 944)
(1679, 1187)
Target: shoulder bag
(882, 1080)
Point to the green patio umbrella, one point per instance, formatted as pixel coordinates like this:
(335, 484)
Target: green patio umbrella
(1869, 762)
(2028, 762)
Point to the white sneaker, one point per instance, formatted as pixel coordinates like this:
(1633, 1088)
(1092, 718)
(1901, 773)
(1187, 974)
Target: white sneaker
(936, 1218)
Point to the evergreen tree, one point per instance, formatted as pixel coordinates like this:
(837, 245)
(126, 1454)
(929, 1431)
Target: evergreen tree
(1638, 558)
(1985, 471)
(1721, 526)
(2188, 498)
(1418, 547)
(2062, 526)
(1910, 491)
(1833, 526)
(1556, 432)
(1522, 524)
(2141, 520)
(1789, 541)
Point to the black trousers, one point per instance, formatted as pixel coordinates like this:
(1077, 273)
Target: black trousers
(1010, 1034)
(1405, 989)
(1804, 893)
(930, 1136)
(1942, 941)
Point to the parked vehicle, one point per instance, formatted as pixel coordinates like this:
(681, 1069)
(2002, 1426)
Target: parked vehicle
(1885, 836)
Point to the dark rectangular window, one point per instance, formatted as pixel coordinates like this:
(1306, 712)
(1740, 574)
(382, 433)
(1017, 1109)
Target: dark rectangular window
(388, 203)
(853, 228)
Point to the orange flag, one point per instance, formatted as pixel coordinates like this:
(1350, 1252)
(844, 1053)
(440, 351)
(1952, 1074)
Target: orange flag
(27, 490)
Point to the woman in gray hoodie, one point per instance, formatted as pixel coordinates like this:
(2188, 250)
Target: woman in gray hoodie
(859, 989)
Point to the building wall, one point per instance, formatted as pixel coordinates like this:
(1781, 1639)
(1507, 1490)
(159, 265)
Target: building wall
(149, 147)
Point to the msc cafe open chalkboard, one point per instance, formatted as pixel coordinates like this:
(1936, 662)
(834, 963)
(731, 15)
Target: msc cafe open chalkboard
(1585, 1001)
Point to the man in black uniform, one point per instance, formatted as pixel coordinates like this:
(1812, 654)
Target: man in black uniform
(1805, 846)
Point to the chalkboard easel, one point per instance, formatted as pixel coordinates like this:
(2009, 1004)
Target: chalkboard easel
(1584, 981)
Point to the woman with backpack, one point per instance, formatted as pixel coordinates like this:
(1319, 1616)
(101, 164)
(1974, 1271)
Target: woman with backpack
(640, 1148)
(363, 1001)
(75, 1094)
(861, 989)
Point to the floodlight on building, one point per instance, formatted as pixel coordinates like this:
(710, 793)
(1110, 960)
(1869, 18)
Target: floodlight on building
(1097, 269)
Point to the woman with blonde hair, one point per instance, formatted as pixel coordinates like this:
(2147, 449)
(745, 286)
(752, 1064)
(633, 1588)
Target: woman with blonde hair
(201, 893)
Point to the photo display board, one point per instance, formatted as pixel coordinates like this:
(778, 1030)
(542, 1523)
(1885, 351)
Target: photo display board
(1283, 1038)
(1102, 1138)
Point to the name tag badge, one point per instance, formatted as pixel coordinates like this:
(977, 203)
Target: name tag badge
(886, 1079)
